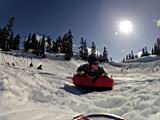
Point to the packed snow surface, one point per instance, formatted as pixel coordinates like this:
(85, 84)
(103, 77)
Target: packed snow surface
(30, 94)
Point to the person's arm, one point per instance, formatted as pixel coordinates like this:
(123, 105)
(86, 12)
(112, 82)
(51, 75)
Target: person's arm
(101, 71)
(83, 69)
(80, 69)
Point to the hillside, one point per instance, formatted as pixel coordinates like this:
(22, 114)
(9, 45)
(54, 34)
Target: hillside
(31, 94)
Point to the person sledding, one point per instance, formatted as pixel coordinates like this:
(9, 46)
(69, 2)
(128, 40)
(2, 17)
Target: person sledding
(39, 67)
(92, 69)
(91, 76)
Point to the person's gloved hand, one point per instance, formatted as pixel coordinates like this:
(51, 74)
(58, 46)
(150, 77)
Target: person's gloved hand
(105, 74)
(80, 72)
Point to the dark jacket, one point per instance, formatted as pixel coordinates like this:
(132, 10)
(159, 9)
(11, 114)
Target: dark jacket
(86, 68)
(39, 67)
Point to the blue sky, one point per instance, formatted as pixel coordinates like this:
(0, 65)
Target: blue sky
(96, 20)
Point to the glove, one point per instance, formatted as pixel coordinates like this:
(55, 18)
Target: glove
(80, 72)
(105, 74)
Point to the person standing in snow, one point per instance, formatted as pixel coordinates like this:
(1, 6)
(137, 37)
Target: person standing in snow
(13, 64)
(39, 67)
(31, 64)
(92, 69)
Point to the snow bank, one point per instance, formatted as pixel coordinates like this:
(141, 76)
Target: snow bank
(28, 93)
(146, 64)
(150, 58)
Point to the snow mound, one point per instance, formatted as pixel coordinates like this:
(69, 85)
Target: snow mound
(30, 94)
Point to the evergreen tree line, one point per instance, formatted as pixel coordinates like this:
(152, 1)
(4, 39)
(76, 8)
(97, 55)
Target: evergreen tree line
(8, 40)
(83, 51)
(47, 44)
(32, 44)
(130, 56)
(64, 44)
(156, 48)
(155, 51)
(145, 52)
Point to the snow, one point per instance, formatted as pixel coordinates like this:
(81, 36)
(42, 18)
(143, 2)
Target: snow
(30, 94)
(146, 59)
(158, 23)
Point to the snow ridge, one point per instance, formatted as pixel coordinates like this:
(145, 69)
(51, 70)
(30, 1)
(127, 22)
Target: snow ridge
(28, 93)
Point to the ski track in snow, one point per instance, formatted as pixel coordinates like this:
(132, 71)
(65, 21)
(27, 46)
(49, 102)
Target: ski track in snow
(30, 94)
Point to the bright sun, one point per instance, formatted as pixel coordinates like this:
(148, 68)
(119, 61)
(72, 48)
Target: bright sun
(125, 26)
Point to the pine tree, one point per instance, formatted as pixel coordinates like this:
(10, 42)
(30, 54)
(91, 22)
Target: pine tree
(123, 60)
(158, 46)
(100, 58)
(127, 57)
(156, 49)
(42, 47)
(136, 56)
(25, 44)
(9, 32)
(1, 34)
(58, 44)
(69, 44)
(39, 47)
(153, 52)
(93, 48)
(10, 25)
(34, 42)
(111, 59)
(16, 42)
(85, 56)
(49, 43)
(3, 38)
(144, 52)
(11, 41)
(64, 43)
(132, 55)
(29, 41)
(105, 55)
(5, 35)
(54, 46)
(81, 48)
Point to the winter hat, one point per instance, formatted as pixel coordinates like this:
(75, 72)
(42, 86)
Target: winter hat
(92, 59)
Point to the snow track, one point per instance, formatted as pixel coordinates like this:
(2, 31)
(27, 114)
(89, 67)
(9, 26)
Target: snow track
(31, 94)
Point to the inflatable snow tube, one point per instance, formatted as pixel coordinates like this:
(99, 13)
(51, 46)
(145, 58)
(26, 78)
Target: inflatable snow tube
(101, 83)
(98, 116)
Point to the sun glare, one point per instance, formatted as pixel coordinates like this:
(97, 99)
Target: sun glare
(125, 26)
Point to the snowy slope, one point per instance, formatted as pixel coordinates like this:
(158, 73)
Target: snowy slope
(31, 94)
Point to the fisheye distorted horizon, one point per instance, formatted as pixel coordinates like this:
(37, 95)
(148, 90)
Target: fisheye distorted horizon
(95, 20)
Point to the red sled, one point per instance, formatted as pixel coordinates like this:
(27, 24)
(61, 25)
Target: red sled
(101, 83)
(98, 116)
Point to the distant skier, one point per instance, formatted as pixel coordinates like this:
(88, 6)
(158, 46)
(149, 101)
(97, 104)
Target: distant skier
(92, 69)
(31, 64)
(13, 64)
(39, 67)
